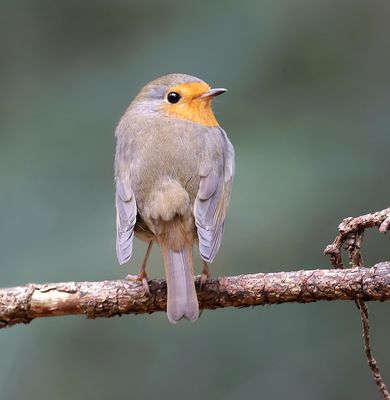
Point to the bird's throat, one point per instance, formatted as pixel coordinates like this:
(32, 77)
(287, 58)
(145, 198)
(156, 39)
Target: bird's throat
(197, 110)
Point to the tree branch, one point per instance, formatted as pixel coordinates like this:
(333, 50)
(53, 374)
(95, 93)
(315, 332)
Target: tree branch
(109, 298)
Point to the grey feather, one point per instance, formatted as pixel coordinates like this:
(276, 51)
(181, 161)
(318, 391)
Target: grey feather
(213, 198)
(182, 301)
(126, 214)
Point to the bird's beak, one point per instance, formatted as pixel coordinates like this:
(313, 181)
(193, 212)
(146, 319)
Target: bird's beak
(213, 93)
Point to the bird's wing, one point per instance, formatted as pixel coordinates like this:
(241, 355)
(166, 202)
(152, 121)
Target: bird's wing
(212, 200)
(126, 206)
(126, 213)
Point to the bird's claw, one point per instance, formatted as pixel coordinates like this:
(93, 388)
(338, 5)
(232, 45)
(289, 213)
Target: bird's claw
(142, 277)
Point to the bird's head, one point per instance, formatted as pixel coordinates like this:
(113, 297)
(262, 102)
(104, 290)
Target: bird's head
(179, 96)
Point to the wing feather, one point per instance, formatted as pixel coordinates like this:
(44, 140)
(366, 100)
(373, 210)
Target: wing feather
(126, 214)
(213, 198)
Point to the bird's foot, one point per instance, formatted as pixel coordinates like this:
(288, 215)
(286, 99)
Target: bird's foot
(141, 277)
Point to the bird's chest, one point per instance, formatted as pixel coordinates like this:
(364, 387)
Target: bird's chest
(175, 155)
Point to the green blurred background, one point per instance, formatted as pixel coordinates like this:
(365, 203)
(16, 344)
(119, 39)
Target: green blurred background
(308, 113)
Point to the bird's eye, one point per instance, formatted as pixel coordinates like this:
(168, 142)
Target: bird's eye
(173, 97)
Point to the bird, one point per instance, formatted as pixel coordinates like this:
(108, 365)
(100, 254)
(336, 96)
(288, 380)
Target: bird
(174, 169)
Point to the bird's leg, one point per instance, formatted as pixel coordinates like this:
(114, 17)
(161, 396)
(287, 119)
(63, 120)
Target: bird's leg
(203, 278)
(205, 274)
(142, 276)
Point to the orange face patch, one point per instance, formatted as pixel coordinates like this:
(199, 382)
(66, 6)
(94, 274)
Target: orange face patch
(191, 106)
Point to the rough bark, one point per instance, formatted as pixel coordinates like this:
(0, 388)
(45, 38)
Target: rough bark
(108, 298)
(351, 232)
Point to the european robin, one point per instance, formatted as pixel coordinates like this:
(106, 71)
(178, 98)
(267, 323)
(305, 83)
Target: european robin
(174, 167)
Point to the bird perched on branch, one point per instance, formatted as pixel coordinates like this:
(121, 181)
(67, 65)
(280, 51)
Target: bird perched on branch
(174, 167)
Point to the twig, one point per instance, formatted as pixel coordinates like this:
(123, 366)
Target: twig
(108, 298)
(350, 227)
(370, 358)
(351, 235)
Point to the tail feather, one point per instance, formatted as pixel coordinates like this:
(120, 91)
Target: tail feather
(182, 298)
